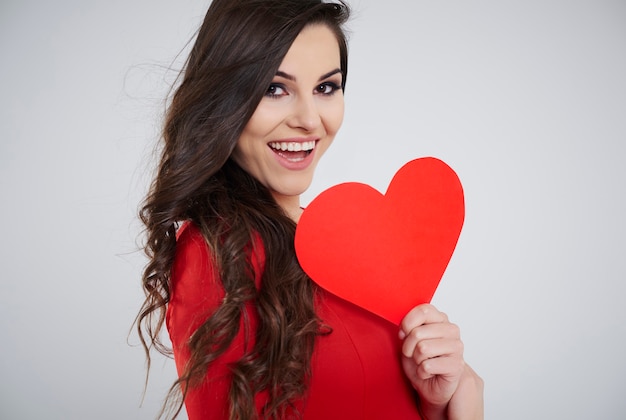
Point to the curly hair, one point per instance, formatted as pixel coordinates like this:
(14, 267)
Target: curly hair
(237, 52)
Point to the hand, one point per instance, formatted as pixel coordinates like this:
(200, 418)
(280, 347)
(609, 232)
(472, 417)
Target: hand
(432, 358)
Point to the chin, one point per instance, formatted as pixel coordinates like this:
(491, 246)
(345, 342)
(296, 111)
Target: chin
(294, 189)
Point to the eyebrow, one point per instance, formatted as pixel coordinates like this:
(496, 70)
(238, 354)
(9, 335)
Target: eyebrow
(293, 78)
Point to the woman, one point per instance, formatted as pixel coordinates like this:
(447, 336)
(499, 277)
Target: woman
(259, 102)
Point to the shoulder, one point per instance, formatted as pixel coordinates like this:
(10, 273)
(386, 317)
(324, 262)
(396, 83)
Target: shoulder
(193, 267)
(195, 287)
(193, 259)
(189, 240)
(193, 252)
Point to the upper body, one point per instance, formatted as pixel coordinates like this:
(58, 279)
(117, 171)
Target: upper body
(355, 369)
(259, 102)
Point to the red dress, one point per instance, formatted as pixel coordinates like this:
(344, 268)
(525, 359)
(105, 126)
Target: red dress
(356, 370)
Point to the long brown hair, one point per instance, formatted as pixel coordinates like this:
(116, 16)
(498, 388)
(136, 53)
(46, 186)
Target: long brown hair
(237, 52)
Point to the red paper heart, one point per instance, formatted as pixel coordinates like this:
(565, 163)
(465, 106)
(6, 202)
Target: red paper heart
(385, 253)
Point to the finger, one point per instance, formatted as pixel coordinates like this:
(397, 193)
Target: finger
(449, 367)
(429, 332)
(432, 349)
(420, 315)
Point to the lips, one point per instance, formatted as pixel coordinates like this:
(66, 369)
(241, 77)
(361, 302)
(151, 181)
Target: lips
(293, 154)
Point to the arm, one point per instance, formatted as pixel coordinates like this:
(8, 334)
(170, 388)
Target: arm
(432, 358)
(196, 292)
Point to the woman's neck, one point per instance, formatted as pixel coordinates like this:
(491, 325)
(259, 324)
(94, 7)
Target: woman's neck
(290, 205)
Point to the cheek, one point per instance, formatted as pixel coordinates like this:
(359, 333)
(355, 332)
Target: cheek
(256, 126)
(262, 122)
(240, 153)
(334, 117)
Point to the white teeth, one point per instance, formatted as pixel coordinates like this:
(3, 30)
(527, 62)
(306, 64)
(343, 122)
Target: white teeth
(292, 146)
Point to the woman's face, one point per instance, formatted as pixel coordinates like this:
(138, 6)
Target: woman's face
(297, 119)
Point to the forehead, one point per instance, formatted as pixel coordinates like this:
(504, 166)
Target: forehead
(315, 47)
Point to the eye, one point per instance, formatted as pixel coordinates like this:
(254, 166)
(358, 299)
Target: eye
(327, 88)
(275, 90)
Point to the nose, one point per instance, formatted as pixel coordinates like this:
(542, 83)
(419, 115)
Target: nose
(305, 114)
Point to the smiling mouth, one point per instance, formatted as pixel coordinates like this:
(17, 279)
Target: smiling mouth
(292, 150)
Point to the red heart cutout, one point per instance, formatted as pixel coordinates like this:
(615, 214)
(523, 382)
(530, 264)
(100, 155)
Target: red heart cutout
(385, 253)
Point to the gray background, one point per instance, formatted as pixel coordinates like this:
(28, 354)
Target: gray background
(526, 100)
